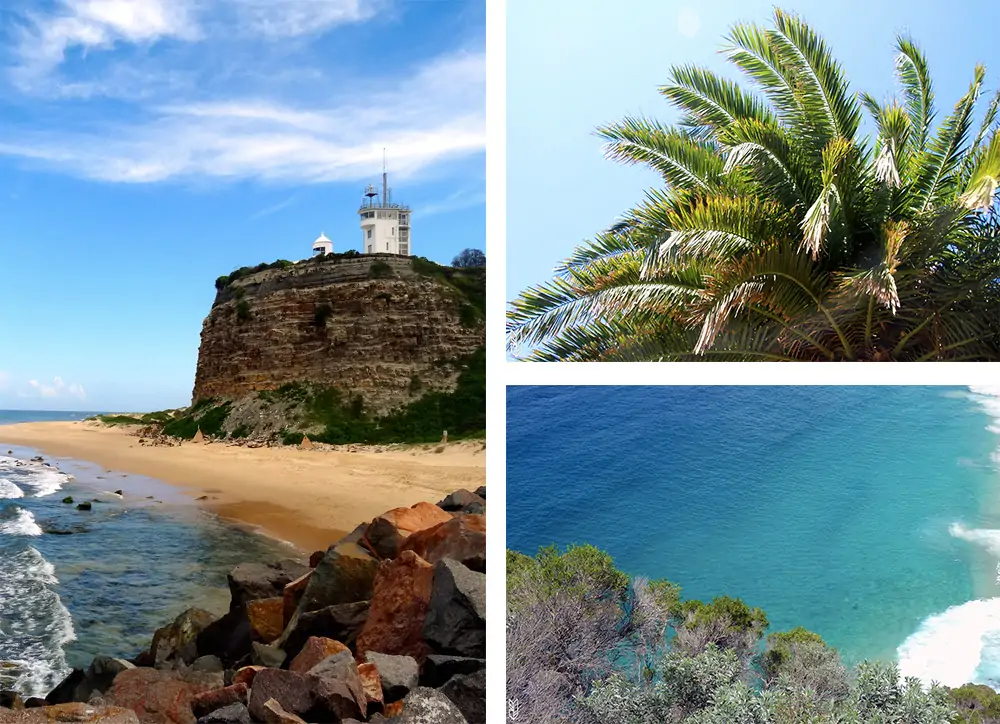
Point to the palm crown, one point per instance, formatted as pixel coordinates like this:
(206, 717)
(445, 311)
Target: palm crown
(781, 232)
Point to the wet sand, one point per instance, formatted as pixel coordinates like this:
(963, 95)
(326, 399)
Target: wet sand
(306, 497)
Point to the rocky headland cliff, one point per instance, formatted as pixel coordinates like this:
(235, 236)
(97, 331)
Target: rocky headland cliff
(343, 348)
(387, 624)
(367, 325)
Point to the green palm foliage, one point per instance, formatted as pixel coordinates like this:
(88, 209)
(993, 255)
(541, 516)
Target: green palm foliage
(783, 233)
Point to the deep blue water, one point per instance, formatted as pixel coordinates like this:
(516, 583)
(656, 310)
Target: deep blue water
(75, 584)
(866, 514)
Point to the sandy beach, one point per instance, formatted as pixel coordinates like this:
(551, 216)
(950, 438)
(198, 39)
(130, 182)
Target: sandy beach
(306, 497)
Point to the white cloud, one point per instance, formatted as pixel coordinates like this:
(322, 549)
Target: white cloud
(58, 389)
(96, 24)
(463, 199)
(688, 22)
(436, 114)
(287, 18)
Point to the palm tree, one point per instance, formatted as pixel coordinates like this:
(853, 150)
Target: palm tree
(783, 233)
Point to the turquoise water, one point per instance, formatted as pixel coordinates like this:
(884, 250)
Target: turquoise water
(866, 514)
(75, 584)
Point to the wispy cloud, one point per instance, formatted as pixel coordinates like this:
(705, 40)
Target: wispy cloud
(58, 389)
(434, 114)
(275, 208)
(462, 199)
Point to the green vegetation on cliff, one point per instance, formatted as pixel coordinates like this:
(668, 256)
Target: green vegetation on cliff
(588, 644)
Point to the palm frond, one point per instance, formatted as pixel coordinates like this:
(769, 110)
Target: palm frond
(681, 160)
(712, 103)
(981, 190)
(914, 76)
(937, 166)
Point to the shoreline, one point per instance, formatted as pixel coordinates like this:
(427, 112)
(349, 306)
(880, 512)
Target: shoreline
(307, 498)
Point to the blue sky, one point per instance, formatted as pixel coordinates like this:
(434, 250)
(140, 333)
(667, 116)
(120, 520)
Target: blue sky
(572, 66)
(150, 146)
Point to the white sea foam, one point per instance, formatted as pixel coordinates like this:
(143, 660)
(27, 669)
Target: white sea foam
(21, 524)
(987, 538)
(36, 625)
(950, 647)
(42, 479)
(9, 491)
(988, 397)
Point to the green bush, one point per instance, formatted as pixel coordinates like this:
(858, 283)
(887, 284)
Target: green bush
(380, 270)
(242, 431)
(291, 438)
(242, 310)
(207, 414)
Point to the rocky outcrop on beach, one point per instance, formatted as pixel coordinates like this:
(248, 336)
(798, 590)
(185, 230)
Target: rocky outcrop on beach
(370, 324)
(387, 624)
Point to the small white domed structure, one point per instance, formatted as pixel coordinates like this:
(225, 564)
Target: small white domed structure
(322, 245)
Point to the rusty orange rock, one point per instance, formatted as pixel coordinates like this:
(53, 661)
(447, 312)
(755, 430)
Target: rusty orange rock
(315, 650)
(371, 682)
(388, 531)
(246, 675)
(402, 592)
(463, 538)
(267, 618)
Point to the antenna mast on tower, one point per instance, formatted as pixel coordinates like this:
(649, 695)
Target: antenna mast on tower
(385, 182)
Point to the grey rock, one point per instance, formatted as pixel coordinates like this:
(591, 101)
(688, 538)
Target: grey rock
(177, 641)
(481, 491)
(336, 689)
(208, 663)
(233, 714)
(293, 691)
(342, 622)
(264, 655)
(399, 674)
(344, 575)
(429, 706)
(439, 668)
(456, 615)
(458, 500)
(254, 581)
(468, 693)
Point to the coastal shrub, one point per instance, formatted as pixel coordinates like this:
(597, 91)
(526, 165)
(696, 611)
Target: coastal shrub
(416, 384)
(469, 316)
(242, 310)
(380, 270)
(240, 432)
(291, 438)
(579, 642)
(119, 420)
(207, 414)
(240, 292)
(469, 284)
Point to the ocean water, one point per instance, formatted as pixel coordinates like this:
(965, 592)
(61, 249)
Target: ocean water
(870, 515)
(75, 584)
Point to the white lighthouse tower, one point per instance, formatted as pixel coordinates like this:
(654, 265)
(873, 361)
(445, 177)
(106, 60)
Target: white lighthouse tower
(322, 246)
(385, 226)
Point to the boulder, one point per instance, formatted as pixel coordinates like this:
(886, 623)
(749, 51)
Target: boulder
(11, 700)
(292, 595)
(337, 689)
(481, 491)
(253, 581)
(429, 706)
(74, 712)
(65, 691)
(458, 500)
(267, 618)
(463, 538)
(100, 675)
(275, 714)
(388, 531)
(398, 674)
(342, 622)
(229, 638)
(439, 668)
(84, 506)
(34, 702)
(372, 685)
(208, 701)
(315, 650)
(293, 691)
(468, 693)
(232, 714)
(345, 575)
(208, 663)
(402, 594)
(246, 675)
(267, 656)
(456, 619)
(178, 641)
(160, 697)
